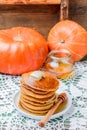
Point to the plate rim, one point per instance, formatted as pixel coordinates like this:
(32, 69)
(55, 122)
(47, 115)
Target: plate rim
(16, 97)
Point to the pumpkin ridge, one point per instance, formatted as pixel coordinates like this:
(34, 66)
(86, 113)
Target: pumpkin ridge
(74, 52)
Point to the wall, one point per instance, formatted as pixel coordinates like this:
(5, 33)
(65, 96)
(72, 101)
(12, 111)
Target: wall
(78, 11)
(41, 17)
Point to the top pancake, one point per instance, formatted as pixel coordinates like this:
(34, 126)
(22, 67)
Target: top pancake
(40, 80)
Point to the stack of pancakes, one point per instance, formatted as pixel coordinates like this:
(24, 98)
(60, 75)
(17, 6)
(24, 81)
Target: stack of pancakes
(37, 92)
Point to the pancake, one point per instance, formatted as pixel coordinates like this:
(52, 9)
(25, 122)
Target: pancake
(46, 83)
(30, 111)
(43, 100)
(38, 103)
(32, 94)
(35, 90)
(36, 108)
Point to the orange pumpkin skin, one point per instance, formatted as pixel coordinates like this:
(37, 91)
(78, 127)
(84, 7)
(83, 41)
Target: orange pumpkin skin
(71, 36)
(21, 50)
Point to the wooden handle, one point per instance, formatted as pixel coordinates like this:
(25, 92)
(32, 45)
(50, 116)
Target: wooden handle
(51, 111)
(61, 98)
(64, 9)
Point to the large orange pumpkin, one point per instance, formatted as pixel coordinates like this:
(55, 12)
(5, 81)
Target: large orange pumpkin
(21, 50)
(69, 35)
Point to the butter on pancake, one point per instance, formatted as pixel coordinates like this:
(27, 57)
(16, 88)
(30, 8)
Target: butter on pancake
(38, 75)
(46, 81)
(38, 92)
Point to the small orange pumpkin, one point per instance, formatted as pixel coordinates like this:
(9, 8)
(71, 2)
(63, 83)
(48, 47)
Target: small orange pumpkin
(21, 50)
(71, 36)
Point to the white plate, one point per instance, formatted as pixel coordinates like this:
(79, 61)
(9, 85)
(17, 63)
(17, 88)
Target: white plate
(16, 99)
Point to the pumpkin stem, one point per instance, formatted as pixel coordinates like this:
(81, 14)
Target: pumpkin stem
(62, 41)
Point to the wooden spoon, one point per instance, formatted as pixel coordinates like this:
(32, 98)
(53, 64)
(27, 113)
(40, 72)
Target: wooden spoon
(61, 99)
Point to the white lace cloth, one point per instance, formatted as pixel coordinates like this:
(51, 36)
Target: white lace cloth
(74, 119)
